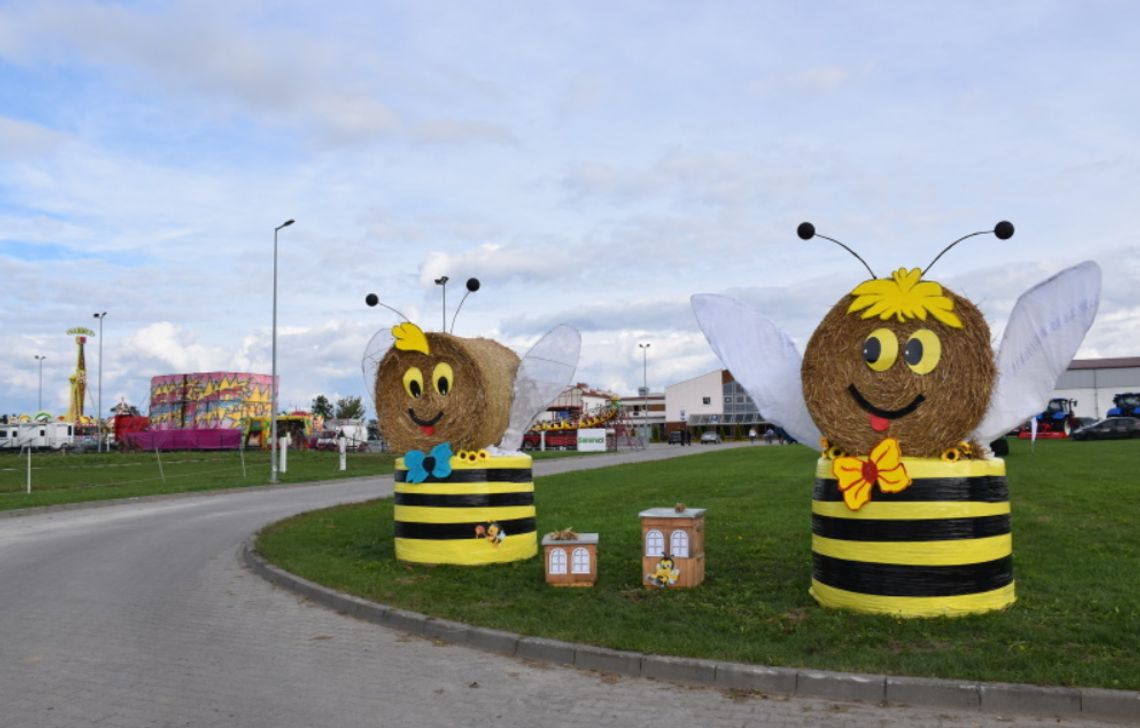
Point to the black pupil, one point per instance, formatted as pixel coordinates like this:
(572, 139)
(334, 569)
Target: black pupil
(415, 388)
(872, 349)
(442, 385)
(913, 352)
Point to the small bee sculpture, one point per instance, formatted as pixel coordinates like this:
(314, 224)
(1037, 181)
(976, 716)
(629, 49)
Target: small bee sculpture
(457, 408)
(901, 390)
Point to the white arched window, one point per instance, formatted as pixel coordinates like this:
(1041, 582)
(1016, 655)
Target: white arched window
(557, 561)
(679, 544)
(580, 561)
(654, 543)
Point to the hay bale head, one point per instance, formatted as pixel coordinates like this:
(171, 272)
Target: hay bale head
(899, 358)
(433, 388)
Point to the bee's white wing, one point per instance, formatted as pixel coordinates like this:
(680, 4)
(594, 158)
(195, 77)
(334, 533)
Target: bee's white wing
(377, 347)
(762, 358)
(543, 374)
(1045, 329)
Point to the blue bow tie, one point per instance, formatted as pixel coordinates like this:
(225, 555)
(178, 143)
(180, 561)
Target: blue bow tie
(437, 463)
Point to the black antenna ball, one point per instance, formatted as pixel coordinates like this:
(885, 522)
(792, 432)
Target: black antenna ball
(1003, 230)
(473, 283)
(372, 299)
(806, 231)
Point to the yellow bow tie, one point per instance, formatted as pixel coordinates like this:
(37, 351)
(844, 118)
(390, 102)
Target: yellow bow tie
(883, 466)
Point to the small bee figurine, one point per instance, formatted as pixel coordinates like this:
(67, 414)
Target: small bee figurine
(457, 408)
(900, 388)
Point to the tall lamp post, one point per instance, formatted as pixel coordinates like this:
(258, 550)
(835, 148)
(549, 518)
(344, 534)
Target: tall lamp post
(40, 401)
(273, 376)
(442, 281)
(99, 406)
(644, 384)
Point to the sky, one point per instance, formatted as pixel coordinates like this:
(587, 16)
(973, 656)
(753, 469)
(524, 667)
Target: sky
(592, 163)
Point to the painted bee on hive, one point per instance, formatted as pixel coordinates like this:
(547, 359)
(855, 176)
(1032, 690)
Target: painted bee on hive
(900, 387)
(457, 408)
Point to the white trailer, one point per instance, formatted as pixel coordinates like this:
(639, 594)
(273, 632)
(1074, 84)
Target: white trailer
(36, 435)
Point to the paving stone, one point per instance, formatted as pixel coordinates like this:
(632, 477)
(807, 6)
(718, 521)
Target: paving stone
(1013, 698)
(679, 669)
(777, 680)
(842, 686)
(540, 648)
(493, 640)
(929, 691)
(1110, 704)
(589, 657)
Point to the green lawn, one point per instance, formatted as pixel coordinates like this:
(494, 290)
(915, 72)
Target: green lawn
(1076, 507)
(98, 476)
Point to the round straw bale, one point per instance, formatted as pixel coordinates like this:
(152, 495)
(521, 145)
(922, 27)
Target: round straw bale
(948, 402)
(473, 410)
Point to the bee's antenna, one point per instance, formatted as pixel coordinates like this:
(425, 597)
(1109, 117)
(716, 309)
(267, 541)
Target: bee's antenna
(472, 286)
(1003, 231)
(373, 300)
(806, 231)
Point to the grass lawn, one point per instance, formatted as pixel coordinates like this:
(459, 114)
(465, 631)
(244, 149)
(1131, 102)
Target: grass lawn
(1076, 507)
(60, 478)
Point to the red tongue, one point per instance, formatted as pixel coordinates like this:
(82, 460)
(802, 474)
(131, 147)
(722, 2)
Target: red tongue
(427, 429)
(879, 424)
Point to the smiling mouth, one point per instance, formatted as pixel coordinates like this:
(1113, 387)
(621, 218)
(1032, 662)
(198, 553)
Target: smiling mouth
(880, 416)
(428, 426)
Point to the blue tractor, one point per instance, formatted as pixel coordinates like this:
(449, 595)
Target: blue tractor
(1126, 405)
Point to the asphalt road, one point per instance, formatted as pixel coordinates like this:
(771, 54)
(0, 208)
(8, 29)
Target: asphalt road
(140, 614)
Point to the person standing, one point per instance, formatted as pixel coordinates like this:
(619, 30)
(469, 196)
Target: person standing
(752, 435)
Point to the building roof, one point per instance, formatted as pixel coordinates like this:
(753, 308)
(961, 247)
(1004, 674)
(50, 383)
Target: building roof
(1123, 362)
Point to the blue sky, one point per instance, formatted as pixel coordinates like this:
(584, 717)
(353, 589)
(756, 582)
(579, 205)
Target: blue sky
(595, 163)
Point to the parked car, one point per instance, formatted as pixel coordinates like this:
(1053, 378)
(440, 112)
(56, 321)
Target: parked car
(677, 437)
(1113, 428)
(710, 438)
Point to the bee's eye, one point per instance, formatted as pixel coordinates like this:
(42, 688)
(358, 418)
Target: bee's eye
(923, 351)
(414, 382)
(443, 377)
(881, 349)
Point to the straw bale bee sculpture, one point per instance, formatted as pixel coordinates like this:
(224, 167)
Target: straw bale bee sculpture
(458, 408)
(901, 389)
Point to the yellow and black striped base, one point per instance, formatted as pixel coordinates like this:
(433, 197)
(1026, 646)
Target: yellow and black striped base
(482, 513)
(941, 547)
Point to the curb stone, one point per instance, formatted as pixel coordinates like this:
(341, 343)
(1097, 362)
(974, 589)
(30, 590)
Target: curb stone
(1074, 703)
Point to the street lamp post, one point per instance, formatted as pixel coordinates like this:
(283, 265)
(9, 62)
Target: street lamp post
(273, 375)
(442, 281)
(40, 400)
(644, 383)
(99, 406)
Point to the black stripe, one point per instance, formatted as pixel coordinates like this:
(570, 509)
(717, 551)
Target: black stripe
(458, 531)
(893, 580)
(918, 529)
(980, 488)
(489, 475)
(485, 500)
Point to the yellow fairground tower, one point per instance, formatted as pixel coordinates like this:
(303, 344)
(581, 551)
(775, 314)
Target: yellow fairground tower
(79, 378)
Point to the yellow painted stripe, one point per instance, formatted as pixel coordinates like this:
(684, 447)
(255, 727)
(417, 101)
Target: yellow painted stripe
(517, 462)
(469, 552)
(464, 488)
(429, 514)
(955, 606)
(916, 553)
(877, 510)
(932, 468)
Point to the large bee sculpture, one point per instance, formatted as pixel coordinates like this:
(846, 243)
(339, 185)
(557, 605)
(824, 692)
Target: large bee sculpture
(458, 408)
(900, 387)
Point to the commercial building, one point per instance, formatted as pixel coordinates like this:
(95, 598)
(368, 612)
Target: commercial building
(1094, 382)
(713, 401)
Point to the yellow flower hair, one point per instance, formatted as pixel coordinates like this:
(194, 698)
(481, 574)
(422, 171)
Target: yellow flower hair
(410, 337)
(904, 296)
